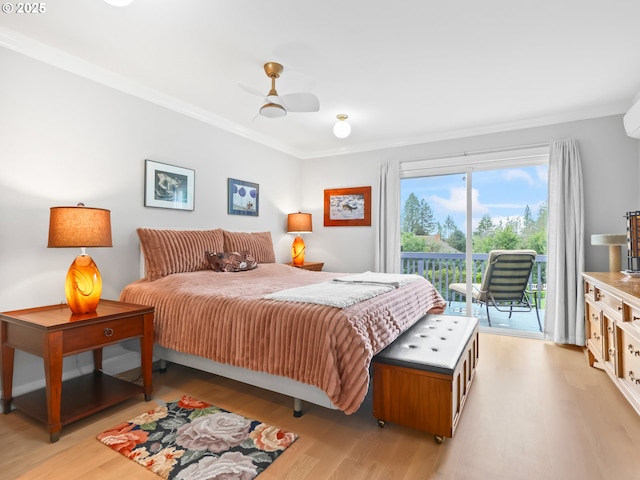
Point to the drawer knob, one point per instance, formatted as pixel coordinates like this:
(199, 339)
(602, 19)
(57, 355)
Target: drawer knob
(633, 351)
(612, 352)
(636, 318)
(108, 332)
(610, 329)
(633, 379)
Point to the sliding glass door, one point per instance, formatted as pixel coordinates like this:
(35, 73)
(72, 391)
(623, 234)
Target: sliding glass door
(453, 216)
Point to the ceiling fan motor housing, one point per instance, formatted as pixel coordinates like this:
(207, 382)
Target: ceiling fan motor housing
(272, 110)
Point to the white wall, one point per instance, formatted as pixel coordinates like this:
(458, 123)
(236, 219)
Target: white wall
(610, 164)
(65, 139)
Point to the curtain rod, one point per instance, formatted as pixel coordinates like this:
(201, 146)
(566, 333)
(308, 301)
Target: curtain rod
(478, 152)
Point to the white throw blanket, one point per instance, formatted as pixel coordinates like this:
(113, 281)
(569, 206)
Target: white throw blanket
(392, 279)
(333, 294)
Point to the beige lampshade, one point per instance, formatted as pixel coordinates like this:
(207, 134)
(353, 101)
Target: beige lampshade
(79, 226)
(299, 223)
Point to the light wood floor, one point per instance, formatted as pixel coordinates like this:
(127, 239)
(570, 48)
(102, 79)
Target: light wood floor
(535, 411)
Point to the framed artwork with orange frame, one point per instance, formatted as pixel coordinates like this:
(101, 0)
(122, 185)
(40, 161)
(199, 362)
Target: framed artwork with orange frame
(347, 207)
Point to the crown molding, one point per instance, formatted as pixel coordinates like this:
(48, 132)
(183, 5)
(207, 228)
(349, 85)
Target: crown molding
(60, 59)
(606, 110)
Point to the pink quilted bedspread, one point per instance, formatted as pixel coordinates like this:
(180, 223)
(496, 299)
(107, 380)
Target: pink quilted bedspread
(223, 317)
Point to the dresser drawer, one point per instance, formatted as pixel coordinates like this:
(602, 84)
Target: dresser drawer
(594, 328)
(610, 300)
(632, 316)
(609, 343)
(630, 361)
(94, 336)
(589, 291)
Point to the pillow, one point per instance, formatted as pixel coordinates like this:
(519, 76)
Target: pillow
(231, 261)
(259, 244)
(176, 251)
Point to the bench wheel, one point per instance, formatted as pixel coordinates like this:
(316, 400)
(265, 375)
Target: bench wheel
(439, 439)
(381, 423)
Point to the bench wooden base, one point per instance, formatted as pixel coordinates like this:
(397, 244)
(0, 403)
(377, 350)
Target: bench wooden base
(428, 401)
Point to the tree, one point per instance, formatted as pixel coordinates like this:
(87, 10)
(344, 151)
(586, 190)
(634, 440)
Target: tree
(542, 222)
(449, 227)
(528, 223)
(417, 216)
(537, 241)
(506, 238)
(458, 240)
(411, 243)
(427, 222)
(485, 226)
(411, 214)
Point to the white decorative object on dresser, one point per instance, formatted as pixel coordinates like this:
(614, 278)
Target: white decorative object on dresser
(612, 326)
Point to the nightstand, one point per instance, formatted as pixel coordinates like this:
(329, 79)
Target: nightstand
(315, 266)
(53, 332)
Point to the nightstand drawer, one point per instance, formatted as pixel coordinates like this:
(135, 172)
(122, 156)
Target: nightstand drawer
(94, 336)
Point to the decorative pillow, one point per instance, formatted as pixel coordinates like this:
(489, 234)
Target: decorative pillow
(259, 244)
(176, 251)
(231, 261)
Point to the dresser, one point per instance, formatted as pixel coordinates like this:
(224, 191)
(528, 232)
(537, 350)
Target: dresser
(612, 326)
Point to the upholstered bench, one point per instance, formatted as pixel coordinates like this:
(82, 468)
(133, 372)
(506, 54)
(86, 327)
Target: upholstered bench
(422, 379)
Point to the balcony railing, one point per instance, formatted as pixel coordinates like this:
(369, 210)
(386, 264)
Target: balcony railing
(443, 269)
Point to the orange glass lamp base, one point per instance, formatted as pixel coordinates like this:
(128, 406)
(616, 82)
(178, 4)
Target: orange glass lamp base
(297, 251)
(83, 286)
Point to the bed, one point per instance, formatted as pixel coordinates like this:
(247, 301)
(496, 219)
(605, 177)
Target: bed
(308, 335)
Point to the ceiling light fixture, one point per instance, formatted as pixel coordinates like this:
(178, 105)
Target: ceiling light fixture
(342, 129)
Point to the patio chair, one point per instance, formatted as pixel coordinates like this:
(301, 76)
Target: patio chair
(504, 283)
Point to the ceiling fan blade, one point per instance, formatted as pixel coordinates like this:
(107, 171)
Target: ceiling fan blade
(300, 102)
(252, 90)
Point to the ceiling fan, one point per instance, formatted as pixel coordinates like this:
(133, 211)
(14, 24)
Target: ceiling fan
(277, 106)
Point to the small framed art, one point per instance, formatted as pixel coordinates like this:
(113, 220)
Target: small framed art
(347, 207)
(168, 186)
(243, 197)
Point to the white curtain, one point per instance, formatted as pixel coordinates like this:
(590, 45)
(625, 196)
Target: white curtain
(564, 318)
(387, 249)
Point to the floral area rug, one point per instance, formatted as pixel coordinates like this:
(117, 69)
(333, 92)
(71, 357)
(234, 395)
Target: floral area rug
(189, 439)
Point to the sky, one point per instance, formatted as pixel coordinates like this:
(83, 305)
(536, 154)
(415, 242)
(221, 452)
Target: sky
(500, 193)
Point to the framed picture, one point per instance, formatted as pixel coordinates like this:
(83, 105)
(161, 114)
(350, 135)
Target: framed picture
(347, 207)
(168, 186)
(243, 198)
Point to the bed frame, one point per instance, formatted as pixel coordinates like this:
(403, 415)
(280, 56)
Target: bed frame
(286, 386)
(297, 390)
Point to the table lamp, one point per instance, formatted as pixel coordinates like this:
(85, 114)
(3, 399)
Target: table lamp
(298, 223)
(614, 242)
(81, 227)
